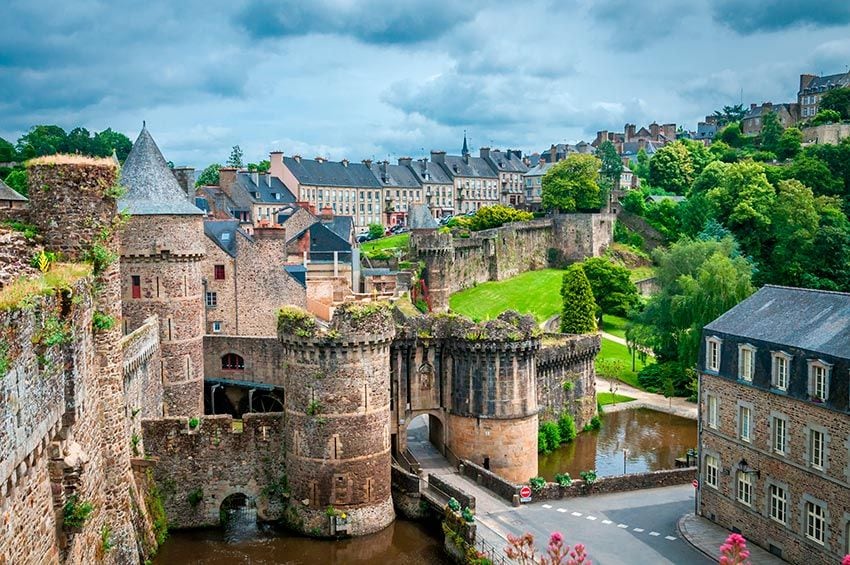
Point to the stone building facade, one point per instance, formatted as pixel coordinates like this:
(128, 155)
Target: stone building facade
(813, 87)
(774, 422)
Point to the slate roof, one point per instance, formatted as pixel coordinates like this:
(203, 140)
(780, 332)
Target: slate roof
(8, 193)
(420, 218)
(761, 110)
(814, 320)
(457, 166)
(395, 176)
(631, 148)
(264, 191)
(507, 162)
(331, 173)
(539, 170)
(429, 172)
(325, 240)
(223, 233)
(828, 81)
(151, 186)
(342, 226)
(661, 197)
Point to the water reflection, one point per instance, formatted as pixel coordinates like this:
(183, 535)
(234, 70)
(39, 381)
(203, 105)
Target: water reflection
(653, 441)
(403, 542)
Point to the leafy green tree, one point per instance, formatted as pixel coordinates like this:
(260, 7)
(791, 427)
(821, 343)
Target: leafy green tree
(488, 217)
(17, 181)
(789, 143)
(261, 167)
(771, 131)
(700, 155)
(837, 99)
(107, 141)
(235, 159)
(671, 168)
(730, 114)
(8, 154)
(830, 265)
(42, 140)
(209, 176)
(578, 315)
(815, 174)
(794, 223)
(641, 165)
(612, 165)
(665, 217)
(836, 158)
(572, 184)
(79, 141)
(694, 214)
(732, 135)
(722, 151)
(826, 117)
(376, 231)
(611, 284)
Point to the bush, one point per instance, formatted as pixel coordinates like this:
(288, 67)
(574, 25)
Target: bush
(467, 515)
(624, 235)
(194, 423)
(537, 483)
(376, 231)
(563, 479)
(589, 476)
(653, 376)
(102, 322)
(595, 422)
(292, 320)
(195, 497)
(492, 217)
(551, 436)
(75, 513)
(567, 428)
(454, 504)
(100, 258)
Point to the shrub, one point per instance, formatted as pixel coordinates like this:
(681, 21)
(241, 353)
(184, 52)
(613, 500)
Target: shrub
(589, 476)
(537, 483)
(42, 260)
(28, 230)
(101, 322)
(552, 435)
(578, 315)
(134, 444)
(53, 332)
(624, 235)
(75, 513)
(653, 376)
(567, 427)
(454, 504)
(195, 497)
(595, 422)
(313, 408)
(376, 231)
(563, 479)
(5, 362)
(292, 320)
(467, 514)
(194, 423)
(494, 216)
(568, 386)
(106, 538)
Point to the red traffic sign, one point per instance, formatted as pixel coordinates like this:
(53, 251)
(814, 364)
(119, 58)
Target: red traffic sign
(695, 483)
(525, 494)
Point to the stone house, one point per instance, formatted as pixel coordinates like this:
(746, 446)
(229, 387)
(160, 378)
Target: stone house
(813, 87)
(402, 188)
(511, 169)
(437, 186)
(348, 188)
(753, 120)
(655, 133)
(476, 183)
(533, 183)
(255, 199)
(775, 422)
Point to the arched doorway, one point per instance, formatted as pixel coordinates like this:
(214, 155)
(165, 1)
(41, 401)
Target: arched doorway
(238, 516)
(425, 437)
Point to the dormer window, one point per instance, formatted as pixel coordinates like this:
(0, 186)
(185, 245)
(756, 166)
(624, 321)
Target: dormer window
(712, 353)
(225, 236)
(819, 372)
(746, 361)
(780, 369)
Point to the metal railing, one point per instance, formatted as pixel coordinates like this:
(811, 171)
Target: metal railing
(408, 462)
(495, 555)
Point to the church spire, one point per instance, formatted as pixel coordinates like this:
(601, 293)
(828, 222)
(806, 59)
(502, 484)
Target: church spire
(465, 150)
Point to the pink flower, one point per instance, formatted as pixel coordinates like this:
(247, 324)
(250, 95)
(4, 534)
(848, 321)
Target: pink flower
(846, 560)
(734, 551)
(556, 537)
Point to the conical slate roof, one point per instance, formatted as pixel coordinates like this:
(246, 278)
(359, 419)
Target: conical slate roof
(421, 218)
(151, 186)
(8, 193)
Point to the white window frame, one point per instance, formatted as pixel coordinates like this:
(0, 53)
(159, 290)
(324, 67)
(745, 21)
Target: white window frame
(712, 353)
(712, 410)
(211, 299)
(779, 441)
(815, 515)
(746, 353)
(816, 367)
(817, 449)
(216, 327)
(744, 488)
(777, 501)
(742, 410)
(778, 378)
(712, 470)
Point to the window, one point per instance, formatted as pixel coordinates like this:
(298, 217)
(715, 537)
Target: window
(711, 467)
(136, 284)
(778, 503)
(232, 362)
(212, 299)
(744, 492)
(712, 412)
(226, 236)
(780, 370)
(219, 272)
(818, 380)
(712, 354)
(815, 522)
(817, 442)
(779, 435)
(746, 356)
(216, 327)
(745, 423)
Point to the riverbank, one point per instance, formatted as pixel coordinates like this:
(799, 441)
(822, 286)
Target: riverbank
(642, 399)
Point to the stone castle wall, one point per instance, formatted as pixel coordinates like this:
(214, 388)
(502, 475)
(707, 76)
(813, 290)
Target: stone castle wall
(218, 458)
(264, 358)
(566, 377)
(142, 369)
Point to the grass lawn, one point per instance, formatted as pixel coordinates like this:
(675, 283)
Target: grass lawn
(392, 241)
(606, 398)
(533, 292)
(614, 325)
(618, 354)
(640, 273)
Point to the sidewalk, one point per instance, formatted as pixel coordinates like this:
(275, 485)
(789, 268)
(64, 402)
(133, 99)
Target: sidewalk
(707, 537)
(642, 399)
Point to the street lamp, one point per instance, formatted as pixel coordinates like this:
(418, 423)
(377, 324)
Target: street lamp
(745, 468)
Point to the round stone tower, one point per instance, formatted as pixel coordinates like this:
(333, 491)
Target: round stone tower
(338, 420)
(493, 415)
(161, 271)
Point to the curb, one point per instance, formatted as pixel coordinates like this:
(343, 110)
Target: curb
(682, 530)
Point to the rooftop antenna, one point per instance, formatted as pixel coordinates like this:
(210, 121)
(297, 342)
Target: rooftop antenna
(143, 124)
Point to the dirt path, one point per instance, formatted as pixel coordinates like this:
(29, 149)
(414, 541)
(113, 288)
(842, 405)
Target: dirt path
(642, 399)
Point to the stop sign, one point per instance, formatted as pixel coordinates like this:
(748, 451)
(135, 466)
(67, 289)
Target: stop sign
(695, 483)
(525, 494)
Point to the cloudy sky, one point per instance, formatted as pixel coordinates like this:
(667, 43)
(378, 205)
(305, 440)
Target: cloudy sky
(387, 78)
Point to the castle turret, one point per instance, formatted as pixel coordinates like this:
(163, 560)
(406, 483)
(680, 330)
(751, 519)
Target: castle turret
(161, 271)
(338, 419)
(435, 249)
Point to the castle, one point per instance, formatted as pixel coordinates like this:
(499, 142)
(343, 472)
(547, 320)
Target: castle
(111, 382)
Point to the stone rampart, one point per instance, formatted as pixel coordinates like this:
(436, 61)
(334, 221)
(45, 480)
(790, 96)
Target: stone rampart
(501, 487)
(198, 468)
(618, 483)
(566, 376)
(465, 499)
(263, 359)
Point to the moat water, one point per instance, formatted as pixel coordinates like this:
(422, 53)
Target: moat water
(404, 543)
(652, 440)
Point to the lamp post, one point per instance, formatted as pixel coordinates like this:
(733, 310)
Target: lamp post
(625, 455)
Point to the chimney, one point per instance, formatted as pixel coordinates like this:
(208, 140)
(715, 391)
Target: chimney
(438, 157)
(767, 106)
(405, 161)
(753, 105)
(186, 179)
(630, 132)
(344, 162)
(268, 178)
(319, 160)
(653, 130)
(297, 158)
(327, 214)
(276, 164)
(255, 178)
(226, 179)
(368, 163)
(484, 152)
(553, 154)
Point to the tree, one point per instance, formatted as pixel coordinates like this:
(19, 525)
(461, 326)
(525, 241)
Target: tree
(612, 165)
(107, 141)
(209, 176)
(235, 159)
(730, 114)
(731, 135)
(837, 99)
(578, 315)
(771, 130)
(671, 168)
(700, 155)
(494, 216)
(572, 184)
(665, 217)
(17, 181)
(79, 141)
(611, 284)
(826, 117)
(8, 154)
(815, 174)
(789, 143)
(641, 165)
(376, 231)
(261, 167)
(42, 140)
(794, 223)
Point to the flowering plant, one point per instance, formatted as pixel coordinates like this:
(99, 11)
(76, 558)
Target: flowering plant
(734, 551)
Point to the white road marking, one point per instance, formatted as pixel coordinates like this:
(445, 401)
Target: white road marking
(606, 521)
(622, 526)
(654, 534)
(562, 509)
(591, 517)
(576, 513)
(638, 530)
(671, 538)
(547, 506)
